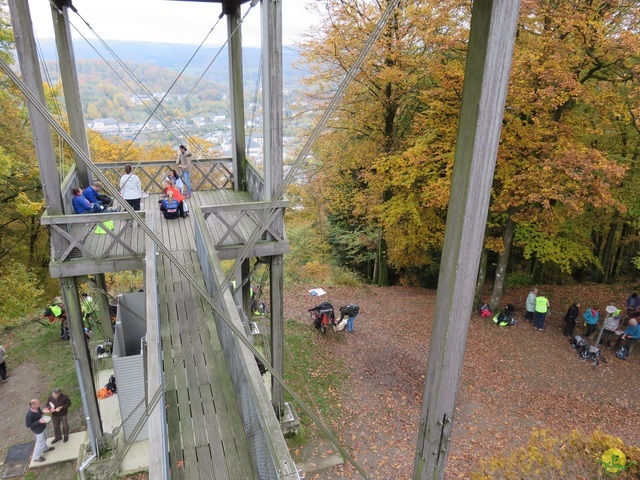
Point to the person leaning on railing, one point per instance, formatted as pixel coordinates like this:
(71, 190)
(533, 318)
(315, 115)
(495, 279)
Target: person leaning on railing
(183, 166)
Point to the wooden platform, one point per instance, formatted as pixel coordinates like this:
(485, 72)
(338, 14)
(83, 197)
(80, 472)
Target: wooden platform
(206, 436)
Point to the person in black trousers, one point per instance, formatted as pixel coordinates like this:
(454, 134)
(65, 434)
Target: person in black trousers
(571, 318)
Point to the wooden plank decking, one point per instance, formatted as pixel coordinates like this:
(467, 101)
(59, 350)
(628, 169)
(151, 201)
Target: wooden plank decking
(206, 437)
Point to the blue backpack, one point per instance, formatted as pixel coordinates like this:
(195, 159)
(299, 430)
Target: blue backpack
(622, 352)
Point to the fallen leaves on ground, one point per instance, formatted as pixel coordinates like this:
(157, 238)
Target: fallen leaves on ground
(514, 379)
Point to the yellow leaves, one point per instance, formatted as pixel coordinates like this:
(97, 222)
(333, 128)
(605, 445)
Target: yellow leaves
(27, 208)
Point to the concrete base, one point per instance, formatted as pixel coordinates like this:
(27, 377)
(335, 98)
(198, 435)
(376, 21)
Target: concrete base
(320, 463)
(290, 423)
(64, 452)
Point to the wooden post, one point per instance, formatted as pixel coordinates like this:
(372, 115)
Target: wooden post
(238, 141)
(272, 128)
(70, 85)
(81, 356)
(30, 70)
(103, 305)
(492, 36)
(276, 279)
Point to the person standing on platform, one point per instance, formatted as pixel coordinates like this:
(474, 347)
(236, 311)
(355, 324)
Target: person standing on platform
(530, 306)
(542, 309)
(183, 167)
(59, 404)
(131, 188)
(38, 425)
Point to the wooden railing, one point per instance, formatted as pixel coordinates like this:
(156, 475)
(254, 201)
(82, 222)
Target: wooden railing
(206, 174)
(255, 183)
(99, 237)
(235, 223)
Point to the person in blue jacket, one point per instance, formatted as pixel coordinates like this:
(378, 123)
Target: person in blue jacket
(591, 317)
(82, 205)
(631, 335)
(92, 193)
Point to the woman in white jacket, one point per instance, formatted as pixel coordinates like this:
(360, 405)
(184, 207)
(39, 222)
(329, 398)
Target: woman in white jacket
(131, 188)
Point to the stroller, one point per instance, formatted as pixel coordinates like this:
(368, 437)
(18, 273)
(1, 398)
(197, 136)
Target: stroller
(323, 316)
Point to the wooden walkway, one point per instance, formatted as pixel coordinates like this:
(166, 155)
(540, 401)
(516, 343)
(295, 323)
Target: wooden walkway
(206, 437)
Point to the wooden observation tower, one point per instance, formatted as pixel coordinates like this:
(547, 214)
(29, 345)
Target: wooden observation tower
(203, 402)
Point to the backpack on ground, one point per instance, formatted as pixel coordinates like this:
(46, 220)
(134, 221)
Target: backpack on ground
(622, 352)
(578, 342)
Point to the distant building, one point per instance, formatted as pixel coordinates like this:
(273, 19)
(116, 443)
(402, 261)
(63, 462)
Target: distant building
(105, 125)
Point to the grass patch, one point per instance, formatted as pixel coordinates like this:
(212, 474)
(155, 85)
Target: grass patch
(41, 345)
(315, 377)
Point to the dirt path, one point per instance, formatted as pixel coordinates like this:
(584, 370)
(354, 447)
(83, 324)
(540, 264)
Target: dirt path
(27, 382)
(514, 379)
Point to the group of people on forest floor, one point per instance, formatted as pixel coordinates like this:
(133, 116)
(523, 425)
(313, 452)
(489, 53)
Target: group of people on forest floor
(614, 324)
(90, 200)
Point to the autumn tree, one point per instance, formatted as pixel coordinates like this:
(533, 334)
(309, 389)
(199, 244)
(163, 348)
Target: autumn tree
(560, 160)
(368, 137)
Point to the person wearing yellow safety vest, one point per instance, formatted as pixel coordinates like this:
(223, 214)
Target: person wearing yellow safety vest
(58, 312)
(542, 308)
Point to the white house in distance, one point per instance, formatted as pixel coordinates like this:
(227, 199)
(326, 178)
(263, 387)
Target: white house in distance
(104, 125)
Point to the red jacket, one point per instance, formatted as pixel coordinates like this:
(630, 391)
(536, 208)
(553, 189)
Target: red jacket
(176, 193)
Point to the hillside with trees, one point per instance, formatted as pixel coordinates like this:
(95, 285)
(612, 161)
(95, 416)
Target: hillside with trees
(564, 200)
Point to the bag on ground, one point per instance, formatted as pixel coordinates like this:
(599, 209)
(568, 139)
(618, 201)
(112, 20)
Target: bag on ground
(622, 352)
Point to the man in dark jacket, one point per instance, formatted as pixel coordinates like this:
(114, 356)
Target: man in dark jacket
(571, 319)
(59, 404)
(38, 425)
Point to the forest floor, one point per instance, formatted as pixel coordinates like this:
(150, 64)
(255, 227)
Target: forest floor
(514, 380)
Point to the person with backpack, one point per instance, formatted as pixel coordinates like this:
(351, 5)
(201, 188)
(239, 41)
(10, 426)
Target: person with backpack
(570, 319)
(591, 317)
(541, 311)
(170, 207)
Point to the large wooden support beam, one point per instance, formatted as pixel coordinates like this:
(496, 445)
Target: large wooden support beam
(272, 95)
(103, 305)
(493, 24)
(30, 70)
(236, 90)
(83, 365)
(71, 87)
(276, 276)
(273, 131)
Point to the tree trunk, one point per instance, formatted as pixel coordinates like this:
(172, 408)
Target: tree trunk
(482, 275)
(383, 271)
(501, 268)
(33, 238)
(617, 263)
(376, 262)
(607, 252)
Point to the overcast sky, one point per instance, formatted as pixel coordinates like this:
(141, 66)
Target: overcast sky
(168, 21)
